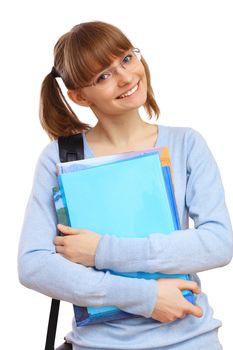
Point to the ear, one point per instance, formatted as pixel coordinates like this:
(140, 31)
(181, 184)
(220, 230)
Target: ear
(77, 97)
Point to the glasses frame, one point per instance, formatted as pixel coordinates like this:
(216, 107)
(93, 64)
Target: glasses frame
(135, 51)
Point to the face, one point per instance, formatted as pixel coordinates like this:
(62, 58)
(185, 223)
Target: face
(119, 89)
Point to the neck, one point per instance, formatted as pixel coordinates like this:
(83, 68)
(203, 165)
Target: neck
(119, 131)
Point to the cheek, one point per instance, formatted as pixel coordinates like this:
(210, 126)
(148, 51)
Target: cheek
(144, 80)
(141, 70)
(100, 98)
(143, 77)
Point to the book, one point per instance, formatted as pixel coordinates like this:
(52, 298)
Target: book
(144, 181)
(72, 166)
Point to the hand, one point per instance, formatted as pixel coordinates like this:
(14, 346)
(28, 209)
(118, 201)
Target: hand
(79, 245)
(171, 303)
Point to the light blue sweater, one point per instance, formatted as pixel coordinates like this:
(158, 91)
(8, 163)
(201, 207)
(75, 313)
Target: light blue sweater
(199, 194)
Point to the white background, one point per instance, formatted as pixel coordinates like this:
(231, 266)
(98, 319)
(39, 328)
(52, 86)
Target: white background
(189, 48)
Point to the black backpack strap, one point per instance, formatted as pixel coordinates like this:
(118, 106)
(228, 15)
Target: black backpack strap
(52, 325)
(70, 148)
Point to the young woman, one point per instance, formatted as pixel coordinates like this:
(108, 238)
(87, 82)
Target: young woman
(102, 70)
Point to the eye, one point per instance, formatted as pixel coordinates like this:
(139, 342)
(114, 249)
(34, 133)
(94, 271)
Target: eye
(127, 58)
(103, 77)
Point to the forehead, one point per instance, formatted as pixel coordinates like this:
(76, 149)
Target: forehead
(104, 59)
(112, 60)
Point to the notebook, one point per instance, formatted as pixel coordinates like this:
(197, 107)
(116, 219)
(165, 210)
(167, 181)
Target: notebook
(124, 195)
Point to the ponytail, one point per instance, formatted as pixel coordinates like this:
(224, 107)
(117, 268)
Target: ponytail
(56, 116)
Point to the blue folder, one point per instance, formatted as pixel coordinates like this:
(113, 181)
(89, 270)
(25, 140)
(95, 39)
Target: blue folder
(131, 197)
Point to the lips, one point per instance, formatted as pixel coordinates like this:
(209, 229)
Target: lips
(129, 92)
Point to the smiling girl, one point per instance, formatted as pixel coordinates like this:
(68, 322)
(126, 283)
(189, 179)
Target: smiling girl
(103, 71)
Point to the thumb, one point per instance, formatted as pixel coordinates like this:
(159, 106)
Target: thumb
(195, 310)
(67, 229)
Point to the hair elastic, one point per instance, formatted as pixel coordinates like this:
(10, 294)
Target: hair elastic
(54, 73)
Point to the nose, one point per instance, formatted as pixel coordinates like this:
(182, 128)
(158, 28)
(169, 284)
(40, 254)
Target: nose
(123, 76)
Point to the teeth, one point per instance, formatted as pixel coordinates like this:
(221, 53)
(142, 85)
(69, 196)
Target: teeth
(130, 92)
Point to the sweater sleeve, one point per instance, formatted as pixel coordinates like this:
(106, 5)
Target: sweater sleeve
(208, 245)
(42, 269)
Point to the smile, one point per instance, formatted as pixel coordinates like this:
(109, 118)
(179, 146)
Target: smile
(129, 93)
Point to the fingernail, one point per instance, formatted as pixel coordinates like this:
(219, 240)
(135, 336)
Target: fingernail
(60, 226)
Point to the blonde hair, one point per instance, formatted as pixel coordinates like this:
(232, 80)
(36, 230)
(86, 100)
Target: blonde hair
(78, 56)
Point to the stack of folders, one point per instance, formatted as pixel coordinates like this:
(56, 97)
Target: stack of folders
(126, 195)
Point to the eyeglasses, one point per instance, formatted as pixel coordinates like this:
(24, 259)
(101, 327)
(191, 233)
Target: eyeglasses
(129, 62)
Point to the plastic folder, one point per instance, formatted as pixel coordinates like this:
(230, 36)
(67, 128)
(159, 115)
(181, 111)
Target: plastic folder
(127, 195)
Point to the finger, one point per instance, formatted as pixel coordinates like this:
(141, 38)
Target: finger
(60, 249)
(190, 285)
(67, 229)
(58, 240)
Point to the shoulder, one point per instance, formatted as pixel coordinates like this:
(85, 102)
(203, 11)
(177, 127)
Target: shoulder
(181, 140)
(45, 172)
(184, 136)
(194, 148)
(48, 158)
(186, 145)
(179, 132)
(50, 151)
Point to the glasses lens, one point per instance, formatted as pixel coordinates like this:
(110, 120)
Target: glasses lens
(129, 62)
(137, 53)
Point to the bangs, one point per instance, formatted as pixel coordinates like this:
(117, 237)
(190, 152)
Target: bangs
(91, 63)
(91, 50)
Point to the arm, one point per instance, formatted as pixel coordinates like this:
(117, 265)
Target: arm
(208, 245)
(41, 269)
